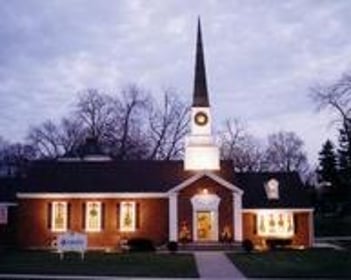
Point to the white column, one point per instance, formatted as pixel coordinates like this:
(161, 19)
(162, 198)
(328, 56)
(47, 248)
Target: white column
(311, 226)
(238, 225)
(173, 217)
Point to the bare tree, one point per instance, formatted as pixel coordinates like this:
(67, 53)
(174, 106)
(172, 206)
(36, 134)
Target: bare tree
(95, 113)
(285, 153)
(126, 134)
(240, 147)
(45, 140)
(336, 96)
(168, 124)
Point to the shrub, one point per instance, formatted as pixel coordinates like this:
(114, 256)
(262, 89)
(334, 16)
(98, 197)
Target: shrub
(278, 243)
(248, 245)
(141, 245)
(172, 246)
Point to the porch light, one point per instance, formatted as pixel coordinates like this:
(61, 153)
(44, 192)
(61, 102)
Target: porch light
(205, 191)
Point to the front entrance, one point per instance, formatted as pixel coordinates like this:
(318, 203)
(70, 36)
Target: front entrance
(204, 225)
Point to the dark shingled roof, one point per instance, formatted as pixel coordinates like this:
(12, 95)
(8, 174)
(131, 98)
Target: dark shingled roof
(292, 193)
(110, 176)
(157, 176)
(8, 188)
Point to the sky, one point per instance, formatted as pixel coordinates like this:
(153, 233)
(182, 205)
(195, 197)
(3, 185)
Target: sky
(262, 58)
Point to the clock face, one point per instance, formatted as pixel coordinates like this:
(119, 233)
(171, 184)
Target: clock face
(201, 118)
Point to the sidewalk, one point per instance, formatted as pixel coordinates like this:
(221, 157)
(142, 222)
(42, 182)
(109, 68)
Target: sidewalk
(214, 265)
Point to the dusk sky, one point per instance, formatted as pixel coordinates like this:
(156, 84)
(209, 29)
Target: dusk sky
(262, 57)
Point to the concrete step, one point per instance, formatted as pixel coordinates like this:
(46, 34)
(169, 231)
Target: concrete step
(210, 246)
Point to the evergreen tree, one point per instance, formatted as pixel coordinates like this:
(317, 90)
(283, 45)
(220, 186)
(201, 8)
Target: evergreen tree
(327, 164)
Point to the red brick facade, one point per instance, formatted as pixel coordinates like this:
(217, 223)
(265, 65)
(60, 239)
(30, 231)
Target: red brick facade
(185, 210)
(34, 229)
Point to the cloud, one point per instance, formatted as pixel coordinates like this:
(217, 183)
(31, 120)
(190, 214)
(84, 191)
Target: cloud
(261, 56)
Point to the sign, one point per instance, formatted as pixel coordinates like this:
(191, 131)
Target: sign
(72, 242)
(3, 214)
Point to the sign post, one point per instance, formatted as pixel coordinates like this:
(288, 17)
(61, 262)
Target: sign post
(72, 242)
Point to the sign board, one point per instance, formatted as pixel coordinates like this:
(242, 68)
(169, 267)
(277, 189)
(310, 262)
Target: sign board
(72, 242)
(3, 214)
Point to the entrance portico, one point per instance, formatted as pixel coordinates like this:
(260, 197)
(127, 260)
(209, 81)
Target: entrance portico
(205, 206)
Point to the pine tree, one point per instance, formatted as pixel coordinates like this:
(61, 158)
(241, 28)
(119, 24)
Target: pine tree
(327, 164)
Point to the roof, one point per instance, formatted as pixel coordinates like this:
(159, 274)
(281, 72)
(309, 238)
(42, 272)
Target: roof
(110, 176)
(292, 193)
(157, 176)
(8, 188)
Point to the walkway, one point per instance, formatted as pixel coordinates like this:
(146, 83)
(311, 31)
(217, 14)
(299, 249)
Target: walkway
(214, 265)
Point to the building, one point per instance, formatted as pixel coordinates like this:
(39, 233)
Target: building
(199, 199)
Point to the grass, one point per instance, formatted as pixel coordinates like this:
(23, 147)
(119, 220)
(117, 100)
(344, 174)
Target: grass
(99, 263)
(313, 263)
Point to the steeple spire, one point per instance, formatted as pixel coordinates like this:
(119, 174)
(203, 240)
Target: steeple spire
(200, 97)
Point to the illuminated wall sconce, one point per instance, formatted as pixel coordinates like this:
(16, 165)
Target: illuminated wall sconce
(205, 191)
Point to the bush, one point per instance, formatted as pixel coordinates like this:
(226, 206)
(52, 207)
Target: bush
(248, 245)
(278, 243)
(141, 245)
(172, 246)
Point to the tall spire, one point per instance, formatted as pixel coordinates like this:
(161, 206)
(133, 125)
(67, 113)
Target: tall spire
(200, 86)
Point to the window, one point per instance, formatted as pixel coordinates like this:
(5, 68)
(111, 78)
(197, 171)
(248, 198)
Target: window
(272, 189)
(3, 214)
(93, 216)
(127, 218)
(275, 224)
(59, 216)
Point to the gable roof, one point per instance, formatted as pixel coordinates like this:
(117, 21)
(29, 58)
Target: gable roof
(292, 193)
(110, 176)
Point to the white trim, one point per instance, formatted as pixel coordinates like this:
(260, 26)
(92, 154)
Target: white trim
(295, 210)
(211, 175)
(237, 217)
(8, 204)
(173, 217)
(90, 195)
(311, 229)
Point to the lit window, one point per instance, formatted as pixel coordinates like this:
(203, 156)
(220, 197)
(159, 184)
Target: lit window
(275, 224)
(59, 216)
(272, 189)
(93, 216)
(3, 214)
(127, 216)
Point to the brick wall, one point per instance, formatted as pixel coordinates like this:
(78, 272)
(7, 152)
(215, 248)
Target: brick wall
(34, 230)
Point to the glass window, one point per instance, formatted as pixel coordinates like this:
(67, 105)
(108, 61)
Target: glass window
(59, 216)
(127, 216)
(275, 224)
(93, 216)
(272, 189)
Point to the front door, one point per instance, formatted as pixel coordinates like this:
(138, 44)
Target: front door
(204, 225)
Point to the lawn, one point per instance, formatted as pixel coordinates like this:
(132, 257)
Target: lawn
(313, 263)
(99, 263)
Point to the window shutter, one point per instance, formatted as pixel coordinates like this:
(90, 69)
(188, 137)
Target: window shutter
(83, 215)
(49, 214)
(137, 215)
(69, 215)
(102, 215)
(254, 221)
(118, 214)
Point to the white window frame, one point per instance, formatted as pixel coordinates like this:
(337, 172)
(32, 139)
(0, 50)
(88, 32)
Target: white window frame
(89, 206)
(123, 209)
(264, 216)
(54, 210)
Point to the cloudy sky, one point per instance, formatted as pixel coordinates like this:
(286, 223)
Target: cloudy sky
(261, 56)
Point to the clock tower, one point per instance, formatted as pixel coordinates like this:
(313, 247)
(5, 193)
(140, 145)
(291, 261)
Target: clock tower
(201, 152)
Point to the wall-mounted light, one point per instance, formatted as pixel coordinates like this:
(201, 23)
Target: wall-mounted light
(205, 191)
